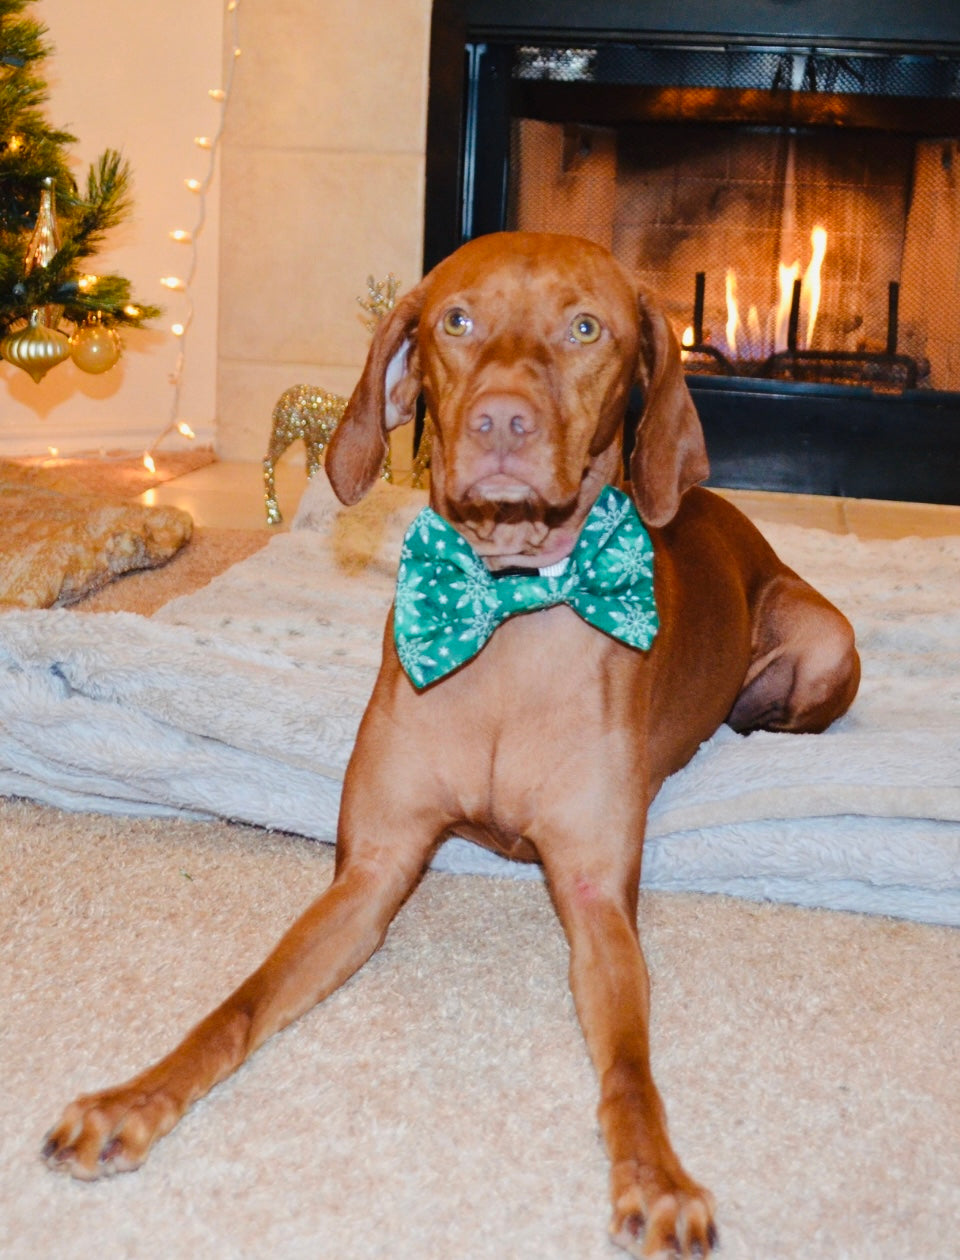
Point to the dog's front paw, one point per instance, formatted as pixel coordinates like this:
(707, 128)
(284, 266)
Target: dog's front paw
(657, 1216)
(110, 1132)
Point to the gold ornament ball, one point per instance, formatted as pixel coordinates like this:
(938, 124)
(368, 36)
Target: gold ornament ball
(95, 348)
(36, 349)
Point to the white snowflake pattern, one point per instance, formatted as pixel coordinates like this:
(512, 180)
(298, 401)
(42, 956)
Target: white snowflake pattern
(425, 523)
(636, 623)
(414, 658)
(632, 558)
(606, 515)
(480, 626)
(408, 595)
(475, 588)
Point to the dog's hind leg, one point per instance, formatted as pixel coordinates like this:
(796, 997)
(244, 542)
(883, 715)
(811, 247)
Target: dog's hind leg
(805, 670)
(113, 1130)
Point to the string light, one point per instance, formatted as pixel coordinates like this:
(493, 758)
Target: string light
(177, 284)
(189, 237)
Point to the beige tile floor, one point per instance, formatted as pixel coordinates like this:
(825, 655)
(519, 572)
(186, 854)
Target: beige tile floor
(229, 495)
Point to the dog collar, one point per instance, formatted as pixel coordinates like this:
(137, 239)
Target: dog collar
(448, 603)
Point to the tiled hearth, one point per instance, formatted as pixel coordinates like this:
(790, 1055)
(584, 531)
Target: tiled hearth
(229, 495)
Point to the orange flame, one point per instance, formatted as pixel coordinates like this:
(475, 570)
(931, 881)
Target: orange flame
(785, 280)
(749, 340)
(811, 281)
(732, 326)
(754, 331)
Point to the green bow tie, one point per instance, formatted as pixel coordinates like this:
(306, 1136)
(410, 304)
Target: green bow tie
(448, 603)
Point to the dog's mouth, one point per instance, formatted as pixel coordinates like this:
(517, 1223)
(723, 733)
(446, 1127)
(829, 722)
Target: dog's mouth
(500, 488)
(515, 528)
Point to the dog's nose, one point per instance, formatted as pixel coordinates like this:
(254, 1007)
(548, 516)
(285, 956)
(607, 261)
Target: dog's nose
(501, 422)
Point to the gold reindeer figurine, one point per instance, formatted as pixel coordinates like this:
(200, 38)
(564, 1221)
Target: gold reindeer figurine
(311, 413)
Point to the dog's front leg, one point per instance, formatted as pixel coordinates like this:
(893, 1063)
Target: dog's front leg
(657, 1208)
(113, 1130)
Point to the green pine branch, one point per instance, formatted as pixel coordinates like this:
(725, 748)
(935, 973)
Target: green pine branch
(32, 151)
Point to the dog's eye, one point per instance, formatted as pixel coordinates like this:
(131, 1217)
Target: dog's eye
(585, 328)
(457, 322)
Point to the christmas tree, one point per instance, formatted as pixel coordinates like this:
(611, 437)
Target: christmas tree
(49, 226)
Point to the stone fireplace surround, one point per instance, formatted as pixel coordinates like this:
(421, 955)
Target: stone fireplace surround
(322, 178)
(777, 435)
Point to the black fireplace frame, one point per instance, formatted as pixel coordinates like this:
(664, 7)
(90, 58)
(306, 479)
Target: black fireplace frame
(769, 435)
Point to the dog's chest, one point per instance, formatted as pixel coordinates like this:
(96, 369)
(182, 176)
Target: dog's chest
(542, 722)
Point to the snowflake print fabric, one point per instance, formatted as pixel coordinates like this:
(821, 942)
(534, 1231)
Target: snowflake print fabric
(448, 604)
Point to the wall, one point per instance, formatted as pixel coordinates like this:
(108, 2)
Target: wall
(323, 165)
(133, 77)
(321, 185)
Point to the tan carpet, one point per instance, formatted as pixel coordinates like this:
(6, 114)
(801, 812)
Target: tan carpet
(441, 1105)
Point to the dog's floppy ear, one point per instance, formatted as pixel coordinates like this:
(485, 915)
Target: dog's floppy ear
(385, 397)
(669, 455)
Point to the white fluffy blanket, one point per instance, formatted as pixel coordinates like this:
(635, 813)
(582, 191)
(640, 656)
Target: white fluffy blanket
(243, 700)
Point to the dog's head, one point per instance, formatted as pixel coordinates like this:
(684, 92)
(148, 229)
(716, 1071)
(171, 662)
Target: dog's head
(525, 347)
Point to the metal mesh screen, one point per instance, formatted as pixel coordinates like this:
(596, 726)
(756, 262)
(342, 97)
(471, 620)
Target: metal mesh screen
(747, 210)
(761, 69)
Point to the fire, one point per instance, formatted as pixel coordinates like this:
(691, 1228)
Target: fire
(811, 281)
(733, 314)
(754, 331)
(748, 341)
(786, 277)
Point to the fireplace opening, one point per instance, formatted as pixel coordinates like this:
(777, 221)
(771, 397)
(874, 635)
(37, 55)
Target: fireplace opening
(794, 206)
(790, 254)
(780, 254)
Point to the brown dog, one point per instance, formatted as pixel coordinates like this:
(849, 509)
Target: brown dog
(551, 742)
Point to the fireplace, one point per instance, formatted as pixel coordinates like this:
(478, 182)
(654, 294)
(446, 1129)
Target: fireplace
(784, 174)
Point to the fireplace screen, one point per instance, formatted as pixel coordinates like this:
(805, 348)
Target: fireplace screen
(786, 253)
(795, 205)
